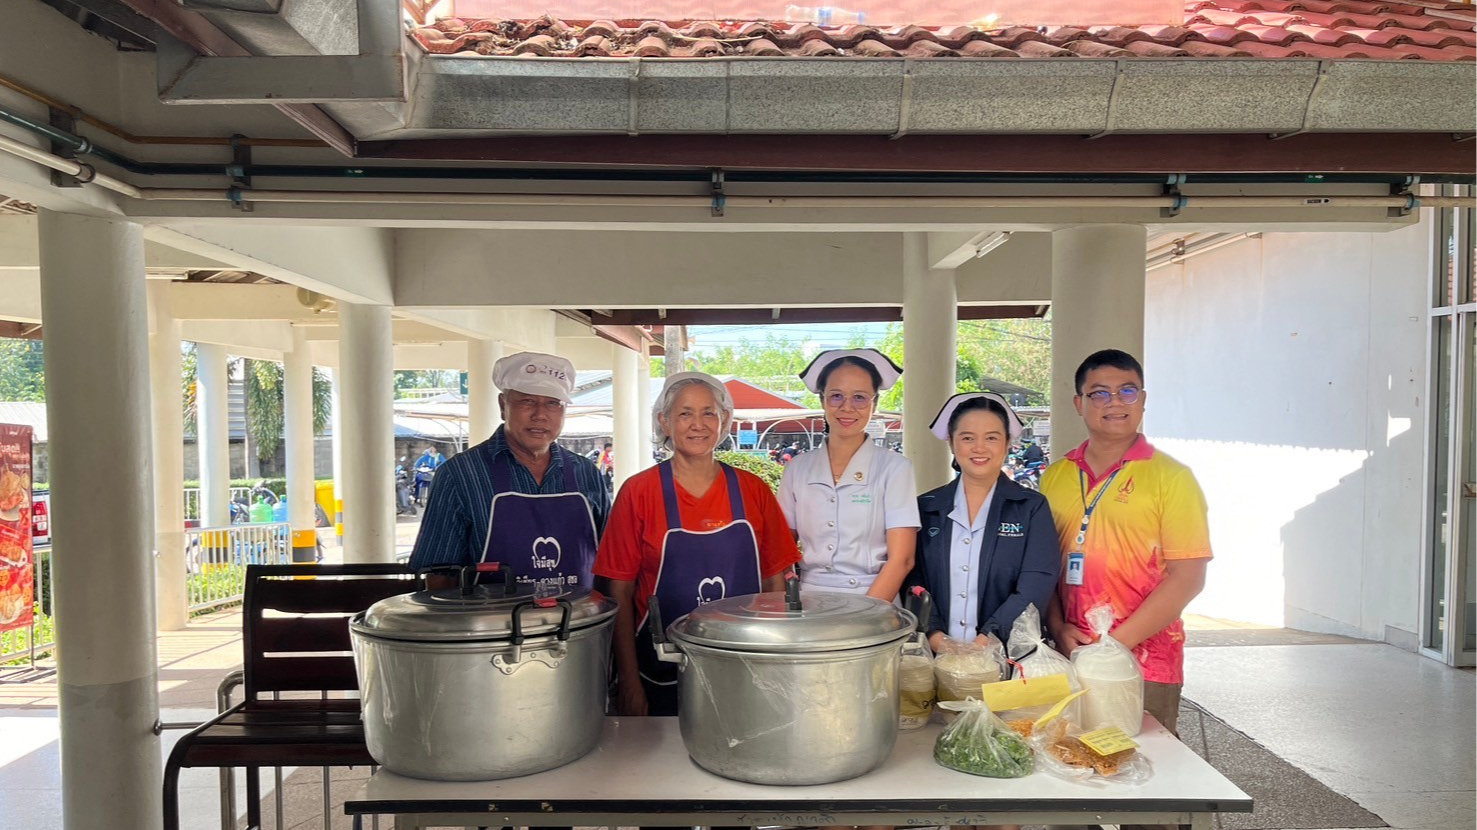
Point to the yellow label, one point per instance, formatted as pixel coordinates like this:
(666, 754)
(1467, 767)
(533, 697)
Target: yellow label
(1018, 694)
(1107, 741)
(1061, 705)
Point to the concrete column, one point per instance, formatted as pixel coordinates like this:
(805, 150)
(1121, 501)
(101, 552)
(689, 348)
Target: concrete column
(366, 361)
(97, 408)
(629, 446)
(212, 433)
(1097, 302)
(168, 418)
(930, 318)
(336, 421)
(643, 408)
(483, 417)
(297, 428)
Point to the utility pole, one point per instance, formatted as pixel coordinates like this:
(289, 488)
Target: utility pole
(672, 342)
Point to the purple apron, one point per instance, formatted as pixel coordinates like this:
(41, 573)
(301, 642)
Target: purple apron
(699, 567)
(547, 539)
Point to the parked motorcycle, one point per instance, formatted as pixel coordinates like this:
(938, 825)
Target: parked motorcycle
(423, 475)
(404, 502)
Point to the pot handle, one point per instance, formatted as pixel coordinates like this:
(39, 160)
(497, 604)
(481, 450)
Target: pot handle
(920, 602)
(792, 592)
(510, 579)
(654, 622)
(543, 602)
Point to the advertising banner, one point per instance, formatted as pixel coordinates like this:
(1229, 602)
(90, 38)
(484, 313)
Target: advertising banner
(17, 575)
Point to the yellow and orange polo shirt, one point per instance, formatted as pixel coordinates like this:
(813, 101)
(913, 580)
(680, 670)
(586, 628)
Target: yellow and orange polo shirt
(1154, 512)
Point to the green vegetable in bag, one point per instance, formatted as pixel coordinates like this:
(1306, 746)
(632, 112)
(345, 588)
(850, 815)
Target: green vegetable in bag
(979, 743)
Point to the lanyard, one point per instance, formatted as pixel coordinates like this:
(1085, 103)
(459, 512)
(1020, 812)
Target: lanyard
(1087, 509)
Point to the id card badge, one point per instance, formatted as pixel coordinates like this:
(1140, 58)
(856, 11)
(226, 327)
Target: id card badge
(1075, 562)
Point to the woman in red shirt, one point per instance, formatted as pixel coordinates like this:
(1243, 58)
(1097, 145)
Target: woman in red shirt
(687, 531)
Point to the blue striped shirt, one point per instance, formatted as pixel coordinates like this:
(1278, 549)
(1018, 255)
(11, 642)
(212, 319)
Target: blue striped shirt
(454, 528)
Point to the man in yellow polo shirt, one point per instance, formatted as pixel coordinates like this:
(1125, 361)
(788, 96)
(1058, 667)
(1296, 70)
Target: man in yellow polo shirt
(1133, 530)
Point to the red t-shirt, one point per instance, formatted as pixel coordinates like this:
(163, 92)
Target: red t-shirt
(631, 548)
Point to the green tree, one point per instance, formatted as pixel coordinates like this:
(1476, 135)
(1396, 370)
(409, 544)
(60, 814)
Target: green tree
(22, 371)
(1016, 351)
(773, 364)
(407, 379)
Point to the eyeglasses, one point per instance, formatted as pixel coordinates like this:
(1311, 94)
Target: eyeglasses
(835, 399)
(1128, 394)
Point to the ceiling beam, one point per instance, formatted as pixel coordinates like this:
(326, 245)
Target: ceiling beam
(765, 316)
(1310, 153)
(208, 40)
(20, 331)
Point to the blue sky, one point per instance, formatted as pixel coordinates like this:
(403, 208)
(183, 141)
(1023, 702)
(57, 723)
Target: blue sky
(821, 335)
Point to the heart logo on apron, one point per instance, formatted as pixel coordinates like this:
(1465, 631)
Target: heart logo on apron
(711, 589)
(546, 552)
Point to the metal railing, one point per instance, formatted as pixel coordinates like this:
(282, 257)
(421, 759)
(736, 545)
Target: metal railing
(40, 636)
(216, 560)
(241, 495)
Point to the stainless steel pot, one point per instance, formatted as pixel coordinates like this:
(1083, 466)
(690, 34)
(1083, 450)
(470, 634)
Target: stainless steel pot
(776, 690)
(476, 683)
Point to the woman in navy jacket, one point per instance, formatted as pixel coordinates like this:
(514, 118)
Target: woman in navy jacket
(988, 546)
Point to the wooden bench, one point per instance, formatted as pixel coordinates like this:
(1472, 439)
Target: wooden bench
(295, 638)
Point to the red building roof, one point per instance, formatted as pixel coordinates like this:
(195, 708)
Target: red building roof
(1265, 29)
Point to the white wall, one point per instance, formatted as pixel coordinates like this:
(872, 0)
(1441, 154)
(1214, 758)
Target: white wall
(1289, 373)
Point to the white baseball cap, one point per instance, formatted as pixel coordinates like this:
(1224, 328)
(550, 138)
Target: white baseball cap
(888, 370)
(940, 425)
(535, 373)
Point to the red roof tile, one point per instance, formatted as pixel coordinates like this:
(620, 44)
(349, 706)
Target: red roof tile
(1262, 29)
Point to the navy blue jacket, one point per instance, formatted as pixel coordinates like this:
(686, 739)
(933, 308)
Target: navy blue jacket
(1018, 565)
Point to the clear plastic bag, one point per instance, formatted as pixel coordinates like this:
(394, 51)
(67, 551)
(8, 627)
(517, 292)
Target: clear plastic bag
(1111, 674)
(915, 685)
(959, 669)
(978, 743)
(1032, 658)
(1059, 753)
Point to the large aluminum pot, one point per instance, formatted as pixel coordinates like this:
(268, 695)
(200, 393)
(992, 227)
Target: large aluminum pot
(477, 683)
(776, 690)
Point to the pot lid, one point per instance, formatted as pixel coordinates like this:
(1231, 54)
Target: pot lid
(484, 612)
(826, 621)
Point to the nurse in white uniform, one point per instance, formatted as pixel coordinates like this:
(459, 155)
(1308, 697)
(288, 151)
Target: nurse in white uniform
(853, 505)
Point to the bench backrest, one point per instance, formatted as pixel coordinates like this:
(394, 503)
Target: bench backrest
(295, 626)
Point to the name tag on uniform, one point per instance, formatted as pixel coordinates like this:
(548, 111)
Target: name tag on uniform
(1012, 529)
(861, 498)
(1075, 562)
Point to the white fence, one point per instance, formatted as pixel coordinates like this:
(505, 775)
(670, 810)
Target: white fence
(241, 495)
(216, 559)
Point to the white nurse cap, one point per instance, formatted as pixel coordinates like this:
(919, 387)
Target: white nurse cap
(940, 425)
(534, 373)
(889, 371)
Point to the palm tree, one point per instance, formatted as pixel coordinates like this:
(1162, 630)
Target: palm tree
(264, 410)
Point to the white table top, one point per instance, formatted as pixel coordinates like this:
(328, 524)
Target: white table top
(642, 767)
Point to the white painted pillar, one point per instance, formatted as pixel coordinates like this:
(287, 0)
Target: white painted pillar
(212, 433)
(483, 417)
(643, 408)
(168, 417)
(297, 423)
(930, 318)
(97, 409)
(336, 421)
(1097, 302)
(366, 365)
(629, 445)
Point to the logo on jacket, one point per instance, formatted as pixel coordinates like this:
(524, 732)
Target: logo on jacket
(1012, 529)
(546, 552)
(711, 589)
